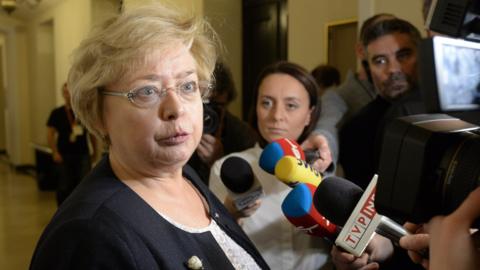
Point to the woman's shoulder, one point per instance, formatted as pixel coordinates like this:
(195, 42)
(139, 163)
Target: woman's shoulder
(100, 198)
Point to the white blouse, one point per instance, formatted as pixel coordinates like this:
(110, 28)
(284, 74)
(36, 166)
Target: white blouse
(280, 244)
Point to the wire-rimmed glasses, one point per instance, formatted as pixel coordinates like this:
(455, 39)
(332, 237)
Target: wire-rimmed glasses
(150, 95)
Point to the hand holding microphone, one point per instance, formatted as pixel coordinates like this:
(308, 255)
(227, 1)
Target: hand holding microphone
(280, 148)
(415, 243)
(379, 249)
(342, 202)
(247, 211)
(319, 145)
(286, 159)
(244, 190)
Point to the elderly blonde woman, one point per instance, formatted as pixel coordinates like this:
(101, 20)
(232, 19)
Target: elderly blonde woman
(137, 82)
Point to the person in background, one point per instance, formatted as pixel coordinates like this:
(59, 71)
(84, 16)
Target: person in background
(224, 133)
(138, 82)
(67, 138)
(326, 76)
(391, 51)
(285, 107)
(341, 103)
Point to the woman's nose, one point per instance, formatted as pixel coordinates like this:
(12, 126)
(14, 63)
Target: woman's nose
(171, 106)
(277, 113)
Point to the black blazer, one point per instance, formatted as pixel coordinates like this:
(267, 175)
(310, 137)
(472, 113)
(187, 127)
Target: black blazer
(106, 225)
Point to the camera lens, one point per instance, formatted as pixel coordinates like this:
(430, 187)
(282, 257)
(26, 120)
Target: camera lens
(429, 165)
(211, 119)
(461, 167)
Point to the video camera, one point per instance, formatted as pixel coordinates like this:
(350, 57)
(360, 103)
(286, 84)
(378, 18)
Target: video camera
(429, 163)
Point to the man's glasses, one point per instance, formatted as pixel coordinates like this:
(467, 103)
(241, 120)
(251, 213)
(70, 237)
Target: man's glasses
(150, 95)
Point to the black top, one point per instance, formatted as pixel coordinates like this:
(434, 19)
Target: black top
(361, 137)
(357, 141)
(361, 141)
(58, 120)
(106, 225)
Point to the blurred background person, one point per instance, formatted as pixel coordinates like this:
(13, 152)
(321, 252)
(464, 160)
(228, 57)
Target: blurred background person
(326, 76)
(223, 132)
(68, 139)
(339, 104)
(285, 106)
(391, 51)
(138, 83)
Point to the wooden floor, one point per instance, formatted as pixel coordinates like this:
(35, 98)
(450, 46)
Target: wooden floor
(24, 212)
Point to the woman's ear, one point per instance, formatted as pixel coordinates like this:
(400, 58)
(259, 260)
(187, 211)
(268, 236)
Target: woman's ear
(309, 117)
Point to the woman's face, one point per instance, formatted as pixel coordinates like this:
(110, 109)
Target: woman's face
(282, 107)
(163, 135)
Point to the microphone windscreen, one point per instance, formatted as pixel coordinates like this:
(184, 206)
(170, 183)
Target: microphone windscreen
(270, 156)
(236, 174)
(277, 149)
(336, 198)
(302, 196)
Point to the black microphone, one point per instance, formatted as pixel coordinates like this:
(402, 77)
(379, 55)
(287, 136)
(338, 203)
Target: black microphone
(242, 185)
(343, 203)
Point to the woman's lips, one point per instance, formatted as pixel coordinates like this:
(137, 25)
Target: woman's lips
(178, 138)
(276, 130)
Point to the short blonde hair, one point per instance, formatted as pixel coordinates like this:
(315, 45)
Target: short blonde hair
(122, 44)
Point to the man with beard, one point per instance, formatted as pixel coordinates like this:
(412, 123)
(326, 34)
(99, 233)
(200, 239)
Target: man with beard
(391, 51)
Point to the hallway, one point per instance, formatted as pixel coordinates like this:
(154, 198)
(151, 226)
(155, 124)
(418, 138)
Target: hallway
(24, 212)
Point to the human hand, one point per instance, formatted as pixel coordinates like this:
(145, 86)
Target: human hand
(245, 212)
(320, 143)
(378, 250)
(416, 243)
(451, 244)
(210, 149)
(346, 261)
(57, 158)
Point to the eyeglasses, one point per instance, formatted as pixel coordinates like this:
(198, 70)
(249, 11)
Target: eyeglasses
(150, 95)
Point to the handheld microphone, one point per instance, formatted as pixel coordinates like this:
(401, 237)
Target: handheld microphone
(343, 203)
(277, 149)
(299, 210)
(241, 183)
(292, 171)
